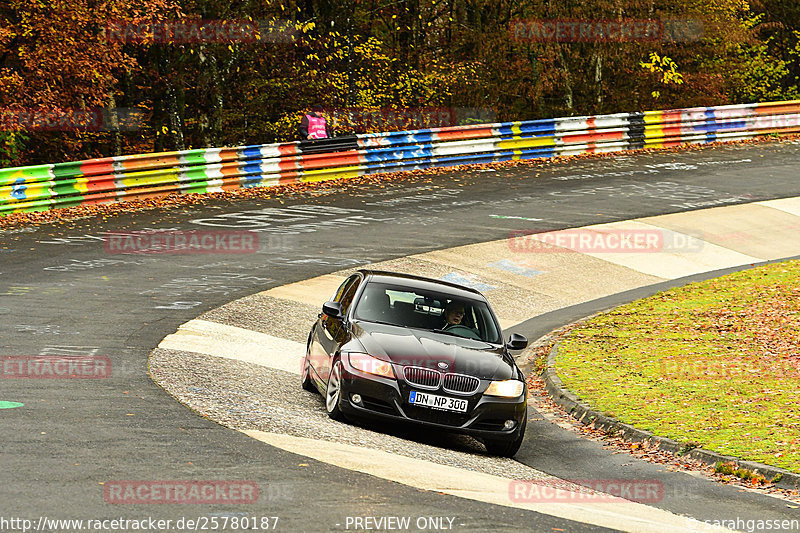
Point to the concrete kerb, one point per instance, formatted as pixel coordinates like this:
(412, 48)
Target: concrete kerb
(588, 416)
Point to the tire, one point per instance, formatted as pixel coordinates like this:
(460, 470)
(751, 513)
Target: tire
(333, 392)
(507, 447)
(307, 383)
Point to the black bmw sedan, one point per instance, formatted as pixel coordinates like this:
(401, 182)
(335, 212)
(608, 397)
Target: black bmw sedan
(417, 350)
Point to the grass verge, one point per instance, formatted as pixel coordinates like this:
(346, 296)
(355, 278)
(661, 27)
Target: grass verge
(714, 364)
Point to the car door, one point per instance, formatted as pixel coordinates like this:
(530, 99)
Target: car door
(332, 332)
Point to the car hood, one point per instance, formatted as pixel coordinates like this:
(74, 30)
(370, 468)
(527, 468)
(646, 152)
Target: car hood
(413, 347)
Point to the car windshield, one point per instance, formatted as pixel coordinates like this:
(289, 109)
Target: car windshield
(434, 311)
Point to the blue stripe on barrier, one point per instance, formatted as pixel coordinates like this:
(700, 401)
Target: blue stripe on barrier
(526, 132)
(406, 138)
(399, 166)
(537, 128)
(251, 152)
(454, 160)
(255, 180)
(720, 126)
(250, 168)
(528, 153)
(396, 153)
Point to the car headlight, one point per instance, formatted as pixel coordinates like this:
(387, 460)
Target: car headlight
(370, 365)
(510, 388)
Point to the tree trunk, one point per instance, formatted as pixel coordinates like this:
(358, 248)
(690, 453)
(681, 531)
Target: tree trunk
(211, 114)
(598, 79)
(113, 125)
(174, 122)
(568, 97)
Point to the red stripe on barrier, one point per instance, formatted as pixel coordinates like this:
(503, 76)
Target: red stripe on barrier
(93, 167)
(231, 184)
(230, 168)
(288, 149)
(289, 177)
(100, 183)
(150, 162)
(670, 131)
(229, 154)
(149, 193)
(778, 108)
(95, 199)
(289, 164)
(99, 198)
(472, 133)
(671, 116)
(594, 137)
(311, 161)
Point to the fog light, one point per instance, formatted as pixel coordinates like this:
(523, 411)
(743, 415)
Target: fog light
(509, 424)
(356, 398)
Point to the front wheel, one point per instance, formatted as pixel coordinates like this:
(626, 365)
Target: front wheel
(333, 393)
(506, 447)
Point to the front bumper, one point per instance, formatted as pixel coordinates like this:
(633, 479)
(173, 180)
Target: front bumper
(387, 399)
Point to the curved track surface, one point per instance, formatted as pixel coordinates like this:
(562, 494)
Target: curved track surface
(63, 293)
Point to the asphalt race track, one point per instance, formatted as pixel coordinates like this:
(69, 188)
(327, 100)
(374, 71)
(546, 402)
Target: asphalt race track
(64, 293)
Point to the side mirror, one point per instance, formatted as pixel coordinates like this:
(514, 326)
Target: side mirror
(517, 342)
(332, 310)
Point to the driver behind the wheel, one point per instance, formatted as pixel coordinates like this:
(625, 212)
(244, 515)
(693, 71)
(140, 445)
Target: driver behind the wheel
(453, 313)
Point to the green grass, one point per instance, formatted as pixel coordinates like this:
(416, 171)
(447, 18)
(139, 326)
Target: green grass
(711, 364)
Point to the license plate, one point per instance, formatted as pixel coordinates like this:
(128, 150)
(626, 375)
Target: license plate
(437, 402)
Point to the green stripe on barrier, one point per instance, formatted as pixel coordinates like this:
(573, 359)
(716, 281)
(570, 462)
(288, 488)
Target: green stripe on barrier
(195, 157)
(65, 188)
(68, 170)
(10, 176)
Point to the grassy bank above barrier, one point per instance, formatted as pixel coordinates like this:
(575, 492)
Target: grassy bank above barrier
(714, 364)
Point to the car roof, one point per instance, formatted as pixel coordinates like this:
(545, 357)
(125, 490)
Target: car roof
(420, 282)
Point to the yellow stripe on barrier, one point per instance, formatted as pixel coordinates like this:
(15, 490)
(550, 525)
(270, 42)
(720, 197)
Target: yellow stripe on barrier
(310, 176)
(27, 191)
(653, 117)
(533, 142)
(81, 185)
(149, 177)
(653, 131)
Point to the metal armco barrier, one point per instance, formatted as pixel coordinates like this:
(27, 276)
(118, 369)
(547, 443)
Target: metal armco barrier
(116, 179)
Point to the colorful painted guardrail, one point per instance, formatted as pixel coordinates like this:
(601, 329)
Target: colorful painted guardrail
(116, 179)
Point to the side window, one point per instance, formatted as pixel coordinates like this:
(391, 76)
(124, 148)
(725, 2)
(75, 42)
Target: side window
(349, 294)
(346, 291)
(337, 297)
